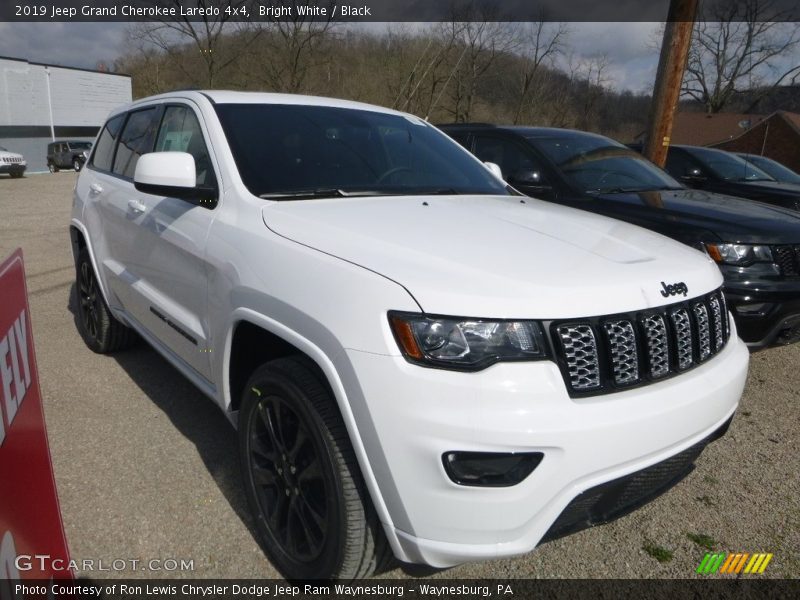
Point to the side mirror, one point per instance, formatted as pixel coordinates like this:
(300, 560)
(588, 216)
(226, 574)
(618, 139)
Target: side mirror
(170, 174)
(527, 178)
(495, 169)
(531, 182)
(694, 175)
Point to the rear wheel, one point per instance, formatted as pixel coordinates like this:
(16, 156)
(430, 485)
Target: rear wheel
(76, 164)
(313, 514)
(101, 331)
(52, 166)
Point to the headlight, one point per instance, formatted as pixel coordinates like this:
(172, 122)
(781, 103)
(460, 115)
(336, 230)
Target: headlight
(739, 254)
(466, 344)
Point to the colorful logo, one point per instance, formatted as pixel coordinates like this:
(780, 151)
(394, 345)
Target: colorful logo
(734, 563)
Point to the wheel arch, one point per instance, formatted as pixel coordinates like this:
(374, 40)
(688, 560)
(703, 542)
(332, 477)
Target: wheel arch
(79, 239)
(248, 329)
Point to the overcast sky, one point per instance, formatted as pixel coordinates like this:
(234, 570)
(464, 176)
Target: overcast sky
(632, 62)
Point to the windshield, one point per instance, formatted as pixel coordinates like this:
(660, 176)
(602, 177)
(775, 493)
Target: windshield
(80, 145)
(595, 164)
(729, 166)
(295, 151)
(773, 168)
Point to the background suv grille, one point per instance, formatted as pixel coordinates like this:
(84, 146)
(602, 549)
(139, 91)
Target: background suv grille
(788, 259)
(603, 354)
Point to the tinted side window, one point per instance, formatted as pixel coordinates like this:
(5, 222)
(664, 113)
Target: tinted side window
(680, 164)
(180, 132)
(461, 137)
(137, 138)
(104, 150)
(508, 155)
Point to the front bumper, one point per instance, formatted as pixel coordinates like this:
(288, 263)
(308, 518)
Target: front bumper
(417, 414)
(13, 167)
(766, 316)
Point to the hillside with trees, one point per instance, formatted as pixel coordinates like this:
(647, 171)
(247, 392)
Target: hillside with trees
(448, 72)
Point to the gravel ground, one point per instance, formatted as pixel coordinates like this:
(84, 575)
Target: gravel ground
(146, 466)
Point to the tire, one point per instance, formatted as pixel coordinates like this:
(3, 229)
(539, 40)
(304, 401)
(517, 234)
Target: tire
(313, 515)
(76, 164)
(17, 174)
(53, 168)
(101, 332)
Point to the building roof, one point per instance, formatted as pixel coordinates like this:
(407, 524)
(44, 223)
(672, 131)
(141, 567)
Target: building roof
(792, 118)
(38, 64)
(702, 129)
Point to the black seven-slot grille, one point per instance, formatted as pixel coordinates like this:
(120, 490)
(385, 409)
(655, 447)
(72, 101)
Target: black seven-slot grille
(599, 355)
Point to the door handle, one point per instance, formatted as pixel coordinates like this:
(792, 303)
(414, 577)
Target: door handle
(95, 189)
(136, 207)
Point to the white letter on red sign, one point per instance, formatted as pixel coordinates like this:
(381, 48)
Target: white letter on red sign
(22, 341)
(6, 376)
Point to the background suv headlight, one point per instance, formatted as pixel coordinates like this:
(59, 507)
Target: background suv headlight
(739, 254)
(466, 344)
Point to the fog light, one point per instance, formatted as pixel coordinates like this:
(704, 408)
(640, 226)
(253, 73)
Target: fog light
(490, 469)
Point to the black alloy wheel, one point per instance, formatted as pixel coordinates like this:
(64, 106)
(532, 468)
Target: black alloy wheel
(100, 330)
(313, 515)
(289, 485)
(88, 300)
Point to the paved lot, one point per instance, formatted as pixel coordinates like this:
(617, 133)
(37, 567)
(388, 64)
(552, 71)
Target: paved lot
(146, 467)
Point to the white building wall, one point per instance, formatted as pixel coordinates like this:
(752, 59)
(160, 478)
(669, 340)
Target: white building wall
(78, 98)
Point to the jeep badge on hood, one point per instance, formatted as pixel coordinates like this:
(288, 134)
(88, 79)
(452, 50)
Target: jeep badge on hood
(674, 289)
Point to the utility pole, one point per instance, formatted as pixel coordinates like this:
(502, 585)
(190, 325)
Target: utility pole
(667, 89)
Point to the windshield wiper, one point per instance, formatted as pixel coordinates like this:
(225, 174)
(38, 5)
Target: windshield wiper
(442, 191)
(304, 194)
(323, 193)
(622, 190)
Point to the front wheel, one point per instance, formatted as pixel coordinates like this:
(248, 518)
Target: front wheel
(312, 512)
(76, 164)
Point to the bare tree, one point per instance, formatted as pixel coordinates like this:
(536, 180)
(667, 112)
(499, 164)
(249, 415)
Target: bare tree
(432, 70)
(540, 44)
(204, 43)
(737, 45)
(589, 84)
(290, 49)
(480, 41)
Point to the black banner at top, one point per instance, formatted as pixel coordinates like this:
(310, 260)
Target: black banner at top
(387, 10)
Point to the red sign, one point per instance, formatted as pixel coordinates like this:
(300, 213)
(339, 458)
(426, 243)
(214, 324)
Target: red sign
(32, 542)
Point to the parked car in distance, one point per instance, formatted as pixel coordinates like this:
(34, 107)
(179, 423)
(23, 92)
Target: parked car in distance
(722, 172)
(756, 246)
(12, 163)
(418, 362)
(67, 155)
(773, 168)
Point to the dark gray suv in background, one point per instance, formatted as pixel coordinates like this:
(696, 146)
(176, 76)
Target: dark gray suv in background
(67, 155)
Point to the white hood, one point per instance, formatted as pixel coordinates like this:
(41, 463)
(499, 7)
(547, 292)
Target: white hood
(487, 256)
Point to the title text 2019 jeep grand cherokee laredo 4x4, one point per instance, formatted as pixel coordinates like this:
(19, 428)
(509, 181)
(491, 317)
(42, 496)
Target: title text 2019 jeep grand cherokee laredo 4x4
(417, 358)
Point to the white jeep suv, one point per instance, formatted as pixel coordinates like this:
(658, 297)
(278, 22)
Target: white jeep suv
(420, 361)
(12, 163)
